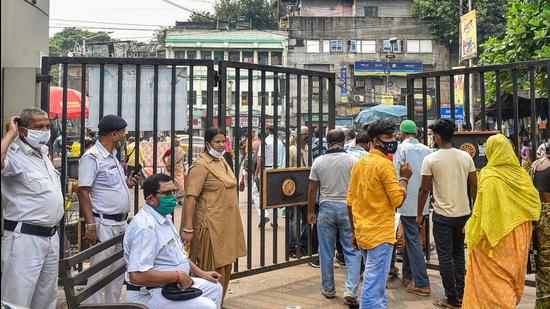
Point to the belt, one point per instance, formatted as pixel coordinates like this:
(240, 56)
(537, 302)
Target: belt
(131, 287)
(115, 217)
(30, 228)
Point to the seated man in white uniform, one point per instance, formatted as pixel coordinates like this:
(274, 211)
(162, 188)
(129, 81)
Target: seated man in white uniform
(155, 255)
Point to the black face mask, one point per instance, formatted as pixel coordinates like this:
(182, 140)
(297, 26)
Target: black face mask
(390, 147)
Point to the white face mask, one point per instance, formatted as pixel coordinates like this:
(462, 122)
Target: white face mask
(215, 153)
(37, 138)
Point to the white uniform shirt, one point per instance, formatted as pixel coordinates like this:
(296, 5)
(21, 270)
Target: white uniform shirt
(152, 242)
(102, 171)
(269, 141)
(31, 188)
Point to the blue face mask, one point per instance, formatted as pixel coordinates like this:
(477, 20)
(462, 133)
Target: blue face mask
(167, 205)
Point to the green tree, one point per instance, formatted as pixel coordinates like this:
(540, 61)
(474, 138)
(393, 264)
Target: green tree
(526, 37)
(160, 34)
(202, 17)
(65, 41)
(260, 12)
(443, 17)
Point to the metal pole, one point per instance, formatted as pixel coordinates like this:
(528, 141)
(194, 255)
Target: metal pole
(471, 92)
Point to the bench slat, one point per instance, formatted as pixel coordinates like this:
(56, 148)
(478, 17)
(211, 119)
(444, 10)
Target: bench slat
(88, 272)
(96, 286)
(86, 254)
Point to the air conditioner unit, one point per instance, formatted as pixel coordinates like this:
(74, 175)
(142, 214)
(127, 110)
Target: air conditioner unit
(358, 98)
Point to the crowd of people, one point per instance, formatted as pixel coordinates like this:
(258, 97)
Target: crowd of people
(362, 184)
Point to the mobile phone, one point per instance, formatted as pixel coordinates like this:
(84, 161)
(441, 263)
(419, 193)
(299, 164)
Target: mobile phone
(138, 169)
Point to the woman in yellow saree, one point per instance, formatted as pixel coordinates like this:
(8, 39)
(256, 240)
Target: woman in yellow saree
(499, 231)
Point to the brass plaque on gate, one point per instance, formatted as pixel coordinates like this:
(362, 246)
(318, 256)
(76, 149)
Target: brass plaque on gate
(285, 187)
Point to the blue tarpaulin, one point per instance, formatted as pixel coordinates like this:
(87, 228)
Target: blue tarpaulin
(381, 111)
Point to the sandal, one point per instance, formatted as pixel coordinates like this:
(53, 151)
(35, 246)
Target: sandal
(443, 303)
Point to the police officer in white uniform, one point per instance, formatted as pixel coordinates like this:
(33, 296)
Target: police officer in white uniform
(33, 206)
(155, 255)
(105, 199)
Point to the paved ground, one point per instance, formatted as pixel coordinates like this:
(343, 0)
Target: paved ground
(298, 287)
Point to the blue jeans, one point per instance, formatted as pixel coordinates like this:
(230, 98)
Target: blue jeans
(333, 217)
(377, 267)
(414, 263)
(292, 239)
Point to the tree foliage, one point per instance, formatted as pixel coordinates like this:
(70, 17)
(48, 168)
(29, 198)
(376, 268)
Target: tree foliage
(260, 12)
(526, 37)
(443, 17)
(65, 41)
(202, 17)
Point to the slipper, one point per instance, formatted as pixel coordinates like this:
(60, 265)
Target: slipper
(443, 303)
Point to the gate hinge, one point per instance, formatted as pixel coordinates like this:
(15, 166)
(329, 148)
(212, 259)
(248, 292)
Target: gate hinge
(43, 78)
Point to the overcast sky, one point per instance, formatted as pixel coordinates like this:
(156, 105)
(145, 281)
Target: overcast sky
(127, 19)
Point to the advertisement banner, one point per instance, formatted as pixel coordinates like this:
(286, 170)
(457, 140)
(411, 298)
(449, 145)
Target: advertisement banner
(344, 89)
(387, 98)
(380, 68)
(110, 96)
(468, 35)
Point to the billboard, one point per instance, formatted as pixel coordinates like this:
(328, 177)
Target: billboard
(468, 35)
(110, 97)
(380, 68)
(344, 90)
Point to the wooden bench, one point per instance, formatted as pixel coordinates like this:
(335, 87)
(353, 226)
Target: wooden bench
(70, 280)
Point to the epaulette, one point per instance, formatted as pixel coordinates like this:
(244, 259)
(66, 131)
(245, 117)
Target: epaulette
(14, 147)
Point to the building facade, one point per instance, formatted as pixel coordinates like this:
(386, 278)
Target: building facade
(354, 38)
(212, 42)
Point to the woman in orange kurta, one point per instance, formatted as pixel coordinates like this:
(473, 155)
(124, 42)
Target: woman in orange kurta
(211, 220)
(499, 231)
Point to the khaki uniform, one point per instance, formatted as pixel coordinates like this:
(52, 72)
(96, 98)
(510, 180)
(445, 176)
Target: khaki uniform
(218, 230)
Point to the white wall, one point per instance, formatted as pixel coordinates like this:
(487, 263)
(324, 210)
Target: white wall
(24, 40)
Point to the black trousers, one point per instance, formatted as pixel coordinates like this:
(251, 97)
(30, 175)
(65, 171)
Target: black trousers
(449, 242)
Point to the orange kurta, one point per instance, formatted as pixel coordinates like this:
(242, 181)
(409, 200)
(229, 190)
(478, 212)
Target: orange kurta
(496, 279)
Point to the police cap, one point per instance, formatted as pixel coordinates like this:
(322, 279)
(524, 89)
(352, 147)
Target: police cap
(111, 123)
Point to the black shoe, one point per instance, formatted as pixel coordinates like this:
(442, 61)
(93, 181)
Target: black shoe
(292, 253)
(394, 271)
(341, 259)
(315, 264)
(260, 226)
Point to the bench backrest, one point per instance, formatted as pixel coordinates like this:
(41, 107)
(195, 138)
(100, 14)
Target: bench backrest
(69, 280)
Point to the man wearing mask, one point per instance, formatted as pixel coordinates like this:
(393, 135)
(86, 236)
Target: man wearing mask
(33, 206)
(104, 198)
(362, 145)
(155, 255)
(374, 194)
(449, 171)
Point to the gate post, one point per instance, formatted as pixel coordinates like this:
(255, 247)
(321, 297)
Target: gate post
(331, 103)
(410, 98)
(222, 90)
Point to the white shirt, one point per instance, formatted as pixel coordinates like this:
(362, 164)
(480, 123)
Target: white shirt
(102, 171)
(152, 242)
(450, 169)
(333, 171)
(413, 152)
(269, 141)
(31, 188)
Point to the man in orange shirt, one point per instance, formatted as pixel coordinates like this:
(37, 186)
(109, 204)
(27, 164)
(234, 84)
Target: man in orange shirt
(374, 195)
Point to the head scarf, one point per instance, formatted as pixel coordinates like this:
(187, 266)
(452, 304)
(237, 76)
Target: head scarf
(506, 196)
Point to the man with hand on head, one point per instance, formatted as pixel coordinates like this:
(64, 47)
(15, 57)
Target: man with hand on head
(155, 255)
(104, 199)
(33, 206)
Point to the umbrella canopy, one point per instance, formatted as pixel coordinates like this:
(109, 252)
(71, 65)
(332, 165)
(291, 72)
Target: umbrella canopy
(381, 111)
(73, 103)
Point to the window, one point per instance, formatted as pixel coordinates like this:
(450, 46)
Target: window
(244, 98)
(263, 58)
(219, 55)
(419, 46)
(179, 54)
(206, 55)
(352, 45)
(335, 46)
(191, 54)
(371, 11)
(397, 47)
(204, 98)
(234, 56)
(248, 56)
(276, 58)
(299, 42)
(312, 46)
(368, 47)
(326, 46)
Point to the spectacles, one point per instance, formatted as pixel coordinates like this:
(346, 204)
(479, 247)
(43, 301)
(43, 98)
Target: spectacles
(167, 192)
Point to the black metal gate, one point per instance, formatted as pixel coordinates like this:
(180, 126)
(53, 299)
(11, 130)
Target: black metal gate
(150, 95)
(509, 83)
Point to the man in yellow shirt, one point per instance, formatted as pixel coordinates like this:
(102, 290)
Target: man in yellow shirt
(374, 195)
(131, 154)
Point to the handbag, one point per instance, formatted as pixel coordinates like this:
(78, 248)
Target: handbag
(173, 292)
